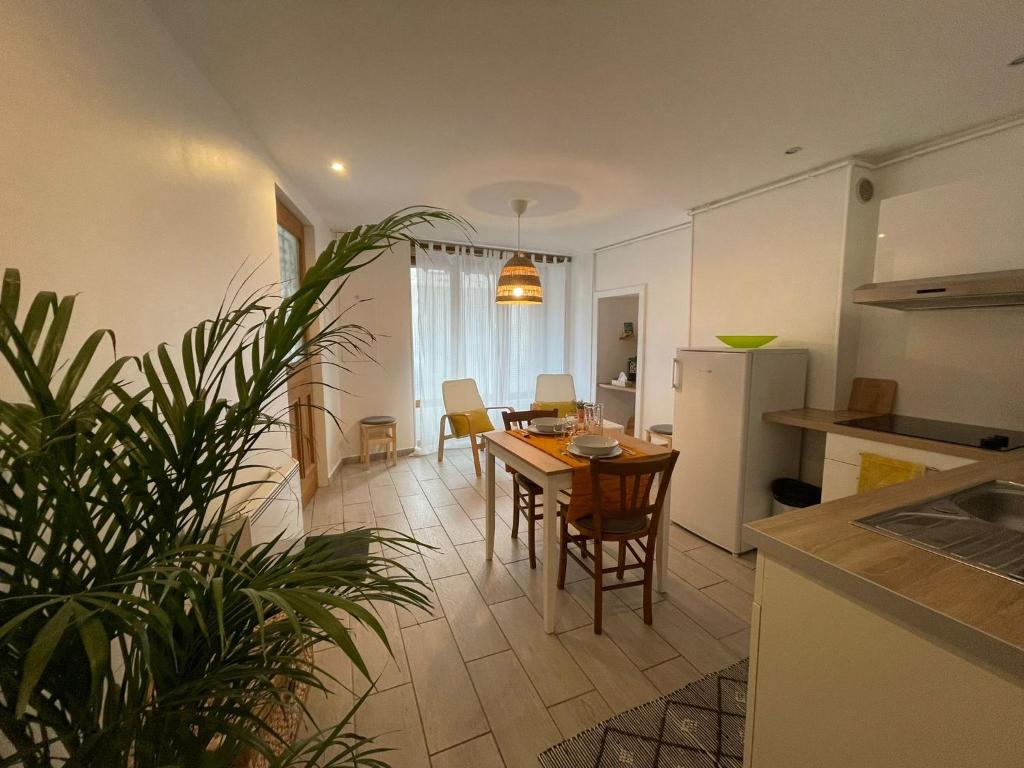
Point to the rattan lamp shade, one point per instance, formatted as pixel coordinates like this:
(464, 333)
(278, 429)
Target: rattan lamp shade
(519, 282)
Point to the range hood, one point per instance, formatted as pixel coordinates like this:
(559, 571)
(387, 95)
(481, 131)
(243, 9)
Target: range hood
(981, 289)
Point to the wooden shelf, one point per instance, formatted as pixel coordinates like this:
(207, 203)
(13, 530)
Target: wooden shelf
(613, 388)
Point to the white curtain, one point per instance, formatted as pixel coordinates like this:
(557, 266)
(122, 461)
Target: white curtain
(459, 332)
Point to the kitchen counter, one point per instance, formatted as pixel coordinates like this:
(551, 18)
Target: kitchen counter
(975, 612)
(826, 421)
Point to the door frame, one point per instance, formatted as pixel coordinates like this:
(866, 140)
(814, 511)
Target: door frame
(295, 222)
(640, 291)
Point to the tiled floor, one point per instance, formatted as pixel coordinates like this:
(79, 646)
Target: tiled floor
(475, 682)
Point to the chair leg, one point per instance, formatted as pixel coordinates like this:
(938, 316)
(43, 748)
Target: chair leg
(563, 551)
(531, 521)
(476, 453)
(622, 561)
(440, 441)
(648, 583)
(517, 505)
(598, 581)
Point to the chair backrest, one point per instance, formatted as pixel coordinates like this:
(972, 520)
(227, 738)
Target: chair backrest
(461, 395)
(554, 388)
(520, 419)
(622, 489)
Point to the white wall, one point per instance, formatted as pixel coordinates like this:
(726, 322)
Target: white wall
(962, 364)
(772, 264)
(384, 385)
(126, 177)
(661, 263)
(581, 297)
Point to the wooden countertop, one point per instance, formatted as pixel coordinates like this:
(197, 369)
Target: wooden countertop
(825, 421)
(973, 611)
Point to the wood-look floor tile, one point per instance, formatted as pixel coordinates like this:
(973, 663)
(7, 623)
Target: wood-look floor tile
(673, 675)
(739, 643)
(457, 525)
(472, 503)
(448, 703)
(690, 571)
(553, 672)
(481, 752)
(357, 513)
(418, 511)
(442, 560)
(614, 676)
(451, 477)
(491, 577)
(475, 630)
(640, 642)
(392, 719)
(423, 468)
(387, 668)
(333, 704)
(568, 613)
(355, 492)
(519, 720)
(693, 642)
(720, 561)
(379, 478)
(732, 598)
(416, 615)
(682, 539)
(437, 492)
(509, 550)
(698, 606)
(399, 525)
(405, 483)
(580, 713)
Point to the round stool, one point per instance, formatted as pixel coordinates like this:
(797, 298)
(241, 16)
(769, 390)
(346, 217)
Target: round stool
(378, 429)
(661, 431)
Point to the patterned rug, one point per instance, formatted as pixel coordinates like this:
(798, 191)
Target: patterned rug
(698, 726)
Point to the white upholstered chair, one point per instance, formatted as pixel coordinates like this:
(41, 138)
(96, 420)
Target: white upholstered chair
(555, 390)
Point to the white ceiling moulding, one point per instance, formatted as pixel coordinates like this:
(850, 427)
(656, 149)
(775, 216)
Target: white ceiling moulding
(950, 140)
(645, 236)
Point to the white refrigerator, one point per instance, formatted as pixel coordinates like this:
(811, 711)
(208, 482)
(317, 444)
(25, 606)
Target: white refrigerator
(728, 456)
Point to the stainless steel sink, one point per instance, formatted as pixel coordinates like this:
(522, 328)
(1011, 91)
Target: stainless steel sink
(1000, 503)
(981, 526)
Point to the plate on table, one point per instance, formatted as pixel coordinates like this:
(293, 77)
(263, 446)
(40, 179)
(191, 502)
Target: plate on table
(533, 430)
(616, 451)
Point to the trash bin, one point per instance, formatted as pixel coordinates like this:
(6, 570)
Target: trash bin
(789, 494)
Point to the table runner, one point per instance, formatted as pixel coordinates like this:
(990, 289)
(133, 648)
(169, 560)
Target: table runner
(581, 502)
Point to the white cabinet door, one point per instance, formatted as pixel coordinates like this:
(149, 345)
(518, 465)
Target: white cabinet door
(838, 480)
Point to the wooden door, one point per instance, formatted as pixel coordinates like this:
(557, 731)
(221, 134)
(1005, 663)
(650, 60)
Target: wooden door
(301, 413)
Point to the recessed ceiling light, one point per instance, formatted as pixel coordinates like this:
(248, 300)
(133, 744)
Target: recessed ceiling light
(1017, 62)
(338, 167)
(881, 235)
(793, 150)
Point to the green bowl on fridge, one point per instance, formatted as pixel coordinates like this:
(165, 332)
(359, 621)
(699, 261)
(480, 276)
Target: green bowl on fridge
(745, 342)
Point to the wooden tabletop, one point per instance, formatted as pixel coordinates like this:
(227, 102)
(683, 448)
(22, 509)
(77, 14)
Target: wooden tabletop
(980, 612)
(548, 464)
(825, 421)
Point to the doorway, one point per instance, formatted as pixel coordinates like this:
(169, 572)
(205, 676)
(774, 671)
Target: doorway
(618, 348)
(302, 415)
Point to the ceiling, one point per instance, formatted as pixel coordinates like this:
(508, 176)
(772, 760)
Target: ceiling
(615, 116)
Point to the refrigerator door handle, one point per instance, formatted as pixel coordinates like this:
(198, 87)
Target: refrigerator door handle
(675, 371)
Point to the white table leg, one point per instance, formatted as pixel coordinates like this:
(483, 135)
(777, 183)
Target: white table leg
(661, 549)
(550, 553)
(489, 517)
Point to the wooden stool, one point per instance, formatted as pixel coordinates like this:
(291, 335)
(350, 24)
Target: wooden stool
(378, 429)
(661, 431)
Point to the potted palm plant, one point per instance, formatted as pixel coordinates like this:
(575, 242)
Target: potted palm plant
(135, 628)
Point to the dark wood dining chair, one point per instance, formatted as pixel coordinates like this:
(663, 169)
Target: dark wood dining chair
(524, 490)
(622, 510)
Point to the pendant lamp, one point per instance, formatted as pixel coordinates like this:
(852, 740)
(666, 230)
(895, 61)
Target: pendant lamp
(519, 282)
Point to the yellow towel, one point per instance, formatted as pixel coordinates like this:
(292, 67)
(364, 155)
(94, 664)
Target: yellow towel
(879, 471)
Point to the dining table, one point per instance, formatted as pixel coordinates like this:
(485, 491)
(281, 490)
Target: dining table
(554, 476)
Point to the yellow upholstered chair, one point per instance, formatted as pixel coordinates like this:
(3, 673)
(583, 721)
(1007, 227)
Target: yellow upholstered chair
(466, 415)
(557, 391)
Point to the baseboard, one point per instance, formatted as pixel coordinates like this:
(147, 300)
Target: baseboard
(355, 458)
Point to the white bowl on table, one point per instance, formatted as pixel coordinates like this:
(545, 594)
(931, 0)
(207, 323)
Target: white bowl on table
(594, 445)
(547, 425)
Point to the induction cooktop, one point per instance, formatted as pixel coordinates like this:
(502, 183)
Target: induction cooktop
(991, 438)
